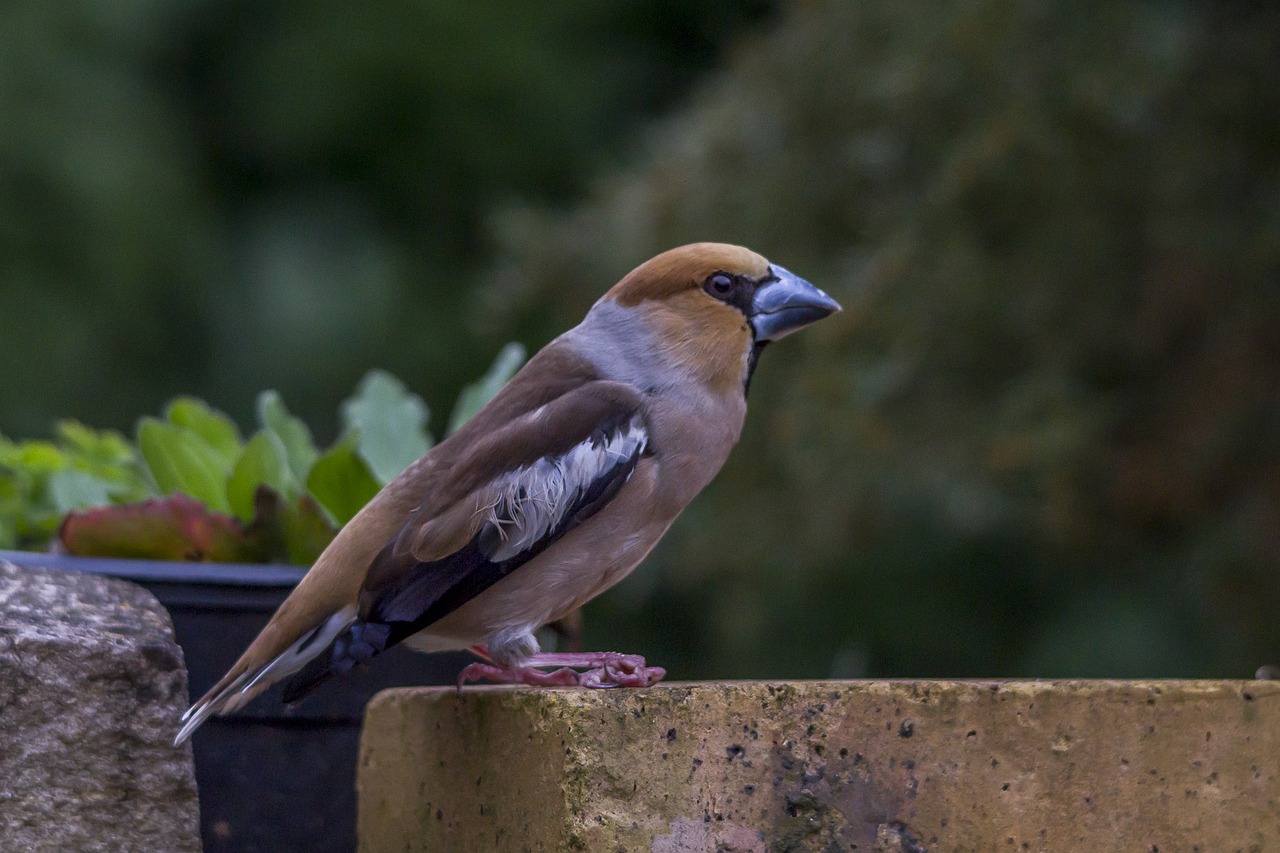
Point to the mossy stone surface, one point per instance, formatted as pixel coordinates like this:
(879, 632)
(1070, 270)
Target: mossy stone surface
(826, 766)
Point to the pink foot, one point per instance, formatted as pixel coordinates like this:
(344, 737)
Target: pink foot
(563, 677)
(604, 669)
(601, 670)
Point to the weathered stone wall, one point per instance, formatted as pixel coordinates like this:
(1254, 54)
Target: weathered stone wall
(824, 766)
(91, 688)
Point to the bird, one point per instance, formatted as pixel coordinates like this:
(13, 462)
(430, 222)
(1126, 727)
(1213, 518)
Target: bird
(548, 496)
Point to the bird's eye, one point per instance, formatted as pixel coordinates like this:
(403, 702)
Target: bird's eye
(720, 285)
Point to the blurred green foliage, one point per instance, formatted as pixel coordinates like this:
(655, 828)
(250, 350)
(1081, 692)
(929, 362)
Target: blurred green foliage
(194, 489)
(41, 481)
(1041, 439)
(216, 196)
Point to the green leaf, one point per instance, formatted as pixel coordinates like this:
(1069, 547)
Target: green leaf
(267, 528)
(475, 395)
(182, 461)
(341, 481)
(72, 489)
(107, 456)
(13, 488)
(299, 447)
(38, 457)
(12, 498)
(291, 531)
(217, 430)
(307, 531)
(96, 447)
(21, 513)
(388, 423)
(263, 463)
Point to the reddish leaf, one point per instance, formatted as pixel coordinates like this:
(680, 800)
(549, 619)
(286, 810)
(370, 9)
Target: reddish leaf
(172, 528)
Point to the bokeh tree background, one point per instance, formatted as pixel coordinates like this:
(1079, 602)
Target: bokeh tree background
(1042, 439)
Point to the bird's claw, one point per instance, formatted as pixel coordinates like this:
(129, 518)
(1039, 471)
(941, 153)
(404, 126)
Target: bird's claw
(618, 670)
(600, 670)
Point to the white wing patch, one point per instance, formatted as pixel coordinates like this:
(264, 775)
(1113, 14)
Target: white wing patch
(532, 500)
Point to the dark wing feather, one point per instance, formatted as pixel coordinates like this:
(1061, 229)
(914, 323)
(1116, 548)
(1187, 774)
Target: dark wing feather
(592, 460)
(464, 575)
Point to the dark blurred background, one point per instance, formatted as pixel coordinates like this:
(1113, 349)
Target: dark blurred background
(1043, 439)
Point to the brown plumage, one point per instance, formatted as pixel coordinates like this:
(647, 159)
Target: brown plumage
(552, 493)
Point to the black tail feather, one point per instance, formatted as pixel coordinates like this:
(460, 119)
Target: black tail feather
(354, 647)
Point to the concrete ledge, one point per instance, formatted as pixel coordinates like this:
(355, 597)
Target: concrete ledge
(825, 766)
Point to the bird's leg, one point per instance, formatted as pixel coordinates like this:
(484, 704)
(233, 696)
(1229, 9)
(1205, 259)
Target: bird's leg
(489, 671)
(602, 669)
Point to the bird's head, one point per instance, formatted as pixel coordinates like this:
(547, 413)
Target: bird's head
(713, 307)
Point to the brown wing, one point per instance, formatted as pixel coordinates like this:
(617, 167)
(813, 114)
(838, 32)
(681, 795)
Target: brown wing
(514, 494)
(589, 414)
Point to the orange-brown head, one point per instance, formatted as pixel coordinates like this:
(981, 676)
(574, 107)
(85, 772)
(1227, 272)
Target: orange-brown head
(713, 307)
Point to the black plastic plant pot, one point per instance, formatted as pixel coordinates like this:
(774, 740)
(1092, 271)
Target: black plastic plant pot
(271, 777)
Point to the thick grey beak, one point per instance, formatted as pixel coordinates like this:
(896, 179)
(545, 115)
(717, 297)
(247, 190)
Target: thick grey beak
(787, 303)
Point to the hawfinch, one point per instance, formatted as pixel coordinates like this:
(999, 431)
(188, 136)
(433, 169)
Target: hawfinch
(550, 495)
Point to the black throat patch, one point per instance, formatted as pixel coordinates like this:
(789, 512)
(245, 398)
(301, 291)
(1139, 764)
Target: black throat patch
(753, 357)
